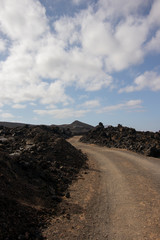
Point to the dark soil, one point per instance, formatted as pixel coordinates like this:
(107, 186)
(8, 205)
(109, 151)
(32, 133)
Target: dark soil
(36, 167)
(147, 143)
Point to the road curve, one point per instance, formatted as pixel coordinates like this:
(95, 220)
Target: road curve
(127, 204)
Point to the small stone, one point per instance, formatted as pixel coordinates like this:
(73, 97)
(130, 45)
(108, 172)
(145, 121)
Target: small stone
(27, 235)
(68, 216)
(68, 195)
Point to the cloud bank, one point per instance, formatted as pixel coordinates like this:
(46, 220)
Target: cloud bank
(148, 80)
(42, 58)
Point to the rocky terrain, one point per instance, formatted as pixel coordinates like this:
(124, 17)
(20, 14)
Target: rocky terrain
(74, 128)
(147, 143)
(37, 165)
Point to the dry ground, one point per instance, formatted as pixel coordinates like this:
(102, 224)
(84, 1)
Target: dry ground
(118, 198)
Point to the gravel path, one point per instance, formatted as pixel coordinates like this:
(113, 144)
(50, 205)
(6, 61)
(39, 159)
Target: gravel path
(118, 199)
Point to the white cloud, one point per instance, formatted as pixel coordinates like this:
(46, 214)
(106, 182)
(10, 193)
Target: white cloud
(33, 104)
(18, 79)
(117, 37)
(19, 106)
(71, 67)
(1, 105)
(153, 18)
(66, 30)
(6, 115)
(77, 2)
(113, 10)
(129, 105)
(62, 113)
(22, 19)
(81, 51)
(55, 94)
(148, 80)
(91, 104)
(154, 43)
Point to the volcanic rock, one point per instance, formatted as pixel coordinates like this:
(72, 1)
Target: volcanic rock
(37, 165)
(147, 143)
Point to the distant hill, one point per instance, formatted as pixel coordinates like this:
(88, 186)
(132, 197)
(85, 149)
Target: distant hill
(12, 124)
(77, 127)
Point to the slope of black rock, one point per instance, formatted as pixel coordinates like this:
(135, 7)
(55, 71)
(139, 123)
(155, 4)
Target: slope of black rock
(36, 167)
(12, 124)
(147, 143)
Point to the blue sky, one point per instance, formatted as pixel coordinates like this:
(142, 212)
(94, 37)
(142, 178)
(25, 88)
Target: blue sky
(95, 60)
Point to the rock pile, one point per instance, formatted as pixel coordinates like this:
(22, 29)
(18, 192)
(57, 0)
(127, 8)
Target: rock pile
(147, 143)
(36, 167)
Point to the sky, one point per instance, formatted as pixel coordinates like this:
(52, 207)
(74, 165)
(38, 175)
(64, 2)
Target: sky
(91, 60)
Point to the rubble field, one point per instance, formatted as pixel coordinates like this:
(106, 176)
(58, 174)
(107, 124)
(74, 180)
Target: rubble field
(37, 165)
(147, 143)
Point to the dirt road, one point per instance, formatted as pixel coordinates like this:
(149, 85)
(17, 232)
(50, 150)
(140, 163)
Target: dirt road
(119, 198)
